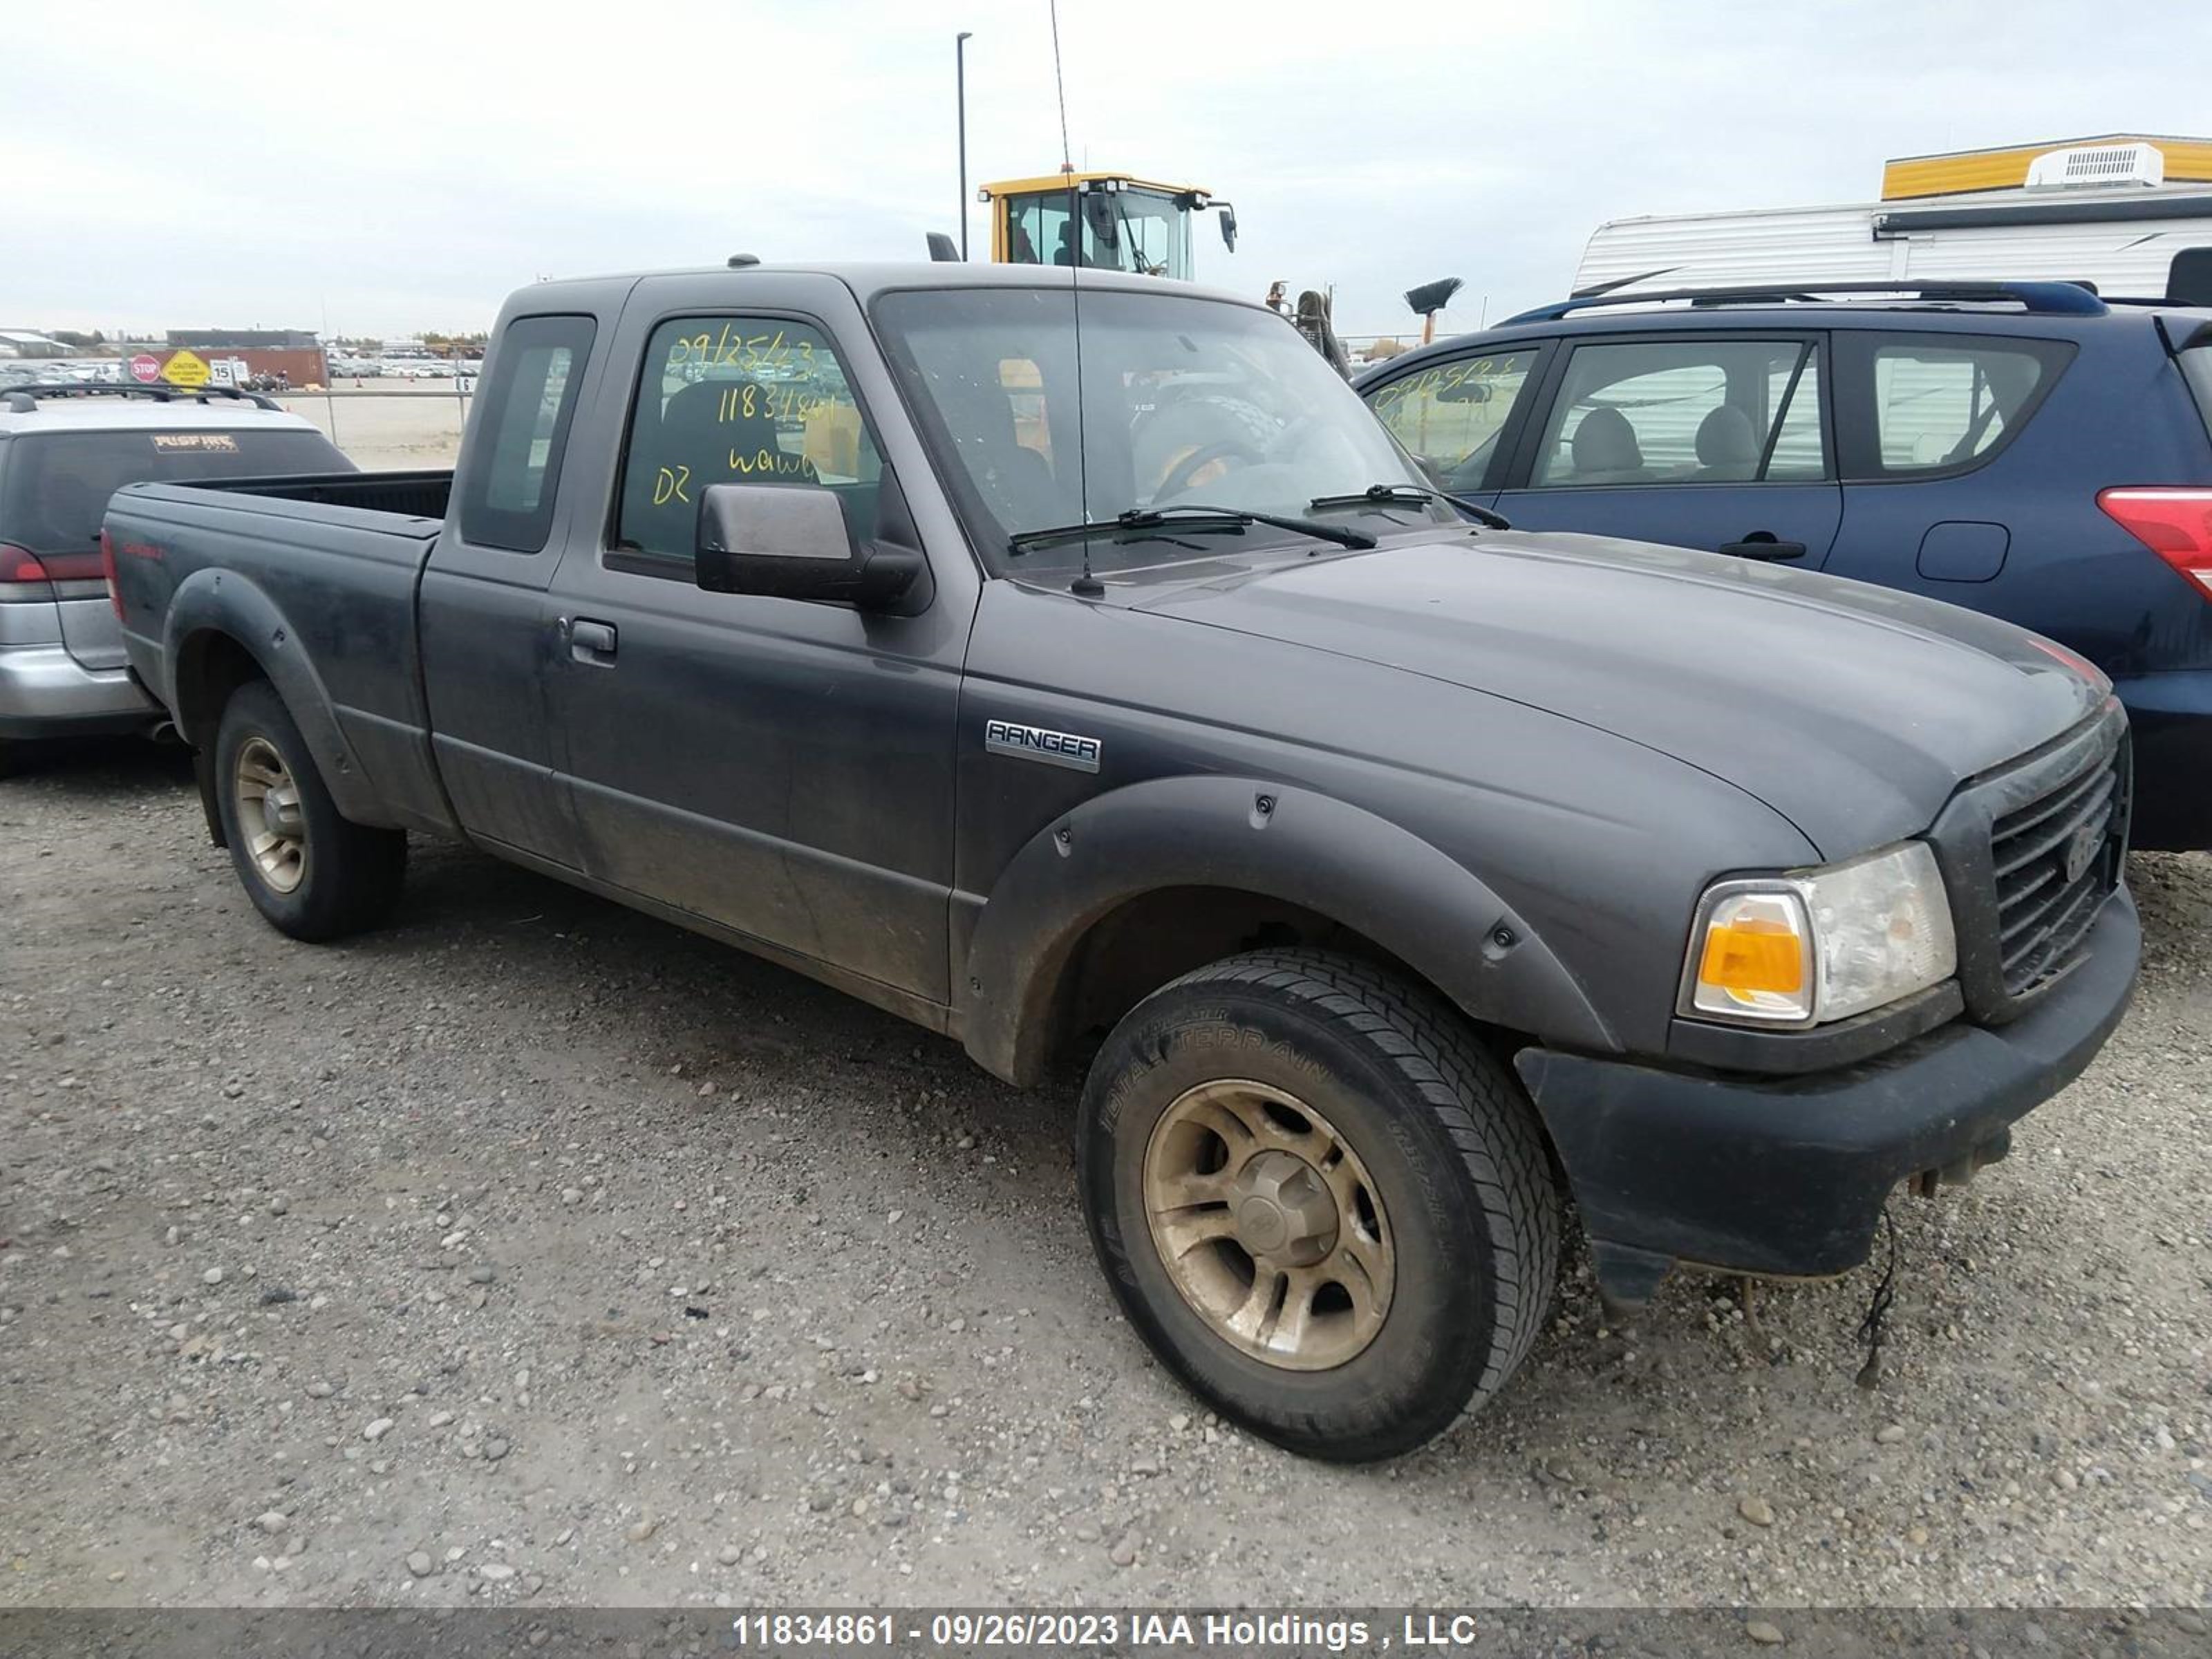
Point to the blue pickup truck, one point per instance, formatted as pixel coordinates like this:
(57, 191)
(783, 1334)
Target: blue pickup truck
(1068, 663)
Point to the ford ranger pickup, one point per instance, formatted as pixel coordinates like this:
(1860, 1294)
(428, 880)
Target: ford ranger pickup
(1070, 664)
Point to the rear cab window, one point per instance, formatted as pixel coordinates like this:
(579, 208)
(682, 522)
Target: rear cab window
(529, 405)
(1452, 414)
(725, 400)
(1928, 404)
(1684, 411)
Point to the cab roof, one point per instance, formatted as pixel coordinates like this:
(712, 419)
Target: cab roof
(1063, 180)
(868, 279)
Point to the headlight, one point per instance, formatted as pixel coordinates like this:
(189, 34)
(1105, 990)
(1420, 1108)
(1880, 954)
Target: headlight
(1810, 946)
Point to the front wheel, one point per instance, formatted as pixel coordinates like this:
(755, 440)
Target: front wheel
(1325, 1206)
(312, 873)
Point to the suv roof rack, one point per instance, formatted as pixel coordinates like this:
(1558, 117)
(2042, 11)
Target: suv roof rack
(2046, 299)
(23, 400)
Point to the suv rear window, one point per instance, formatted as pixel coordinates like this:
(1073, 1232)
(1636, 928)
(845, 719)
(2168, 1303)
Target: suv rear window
(2197, 370)
(55, 490)
(1940, 403)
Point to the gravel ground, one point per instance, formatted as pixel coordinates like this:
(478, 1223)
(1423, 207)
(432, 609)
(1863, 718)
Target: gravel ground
(534, 1250)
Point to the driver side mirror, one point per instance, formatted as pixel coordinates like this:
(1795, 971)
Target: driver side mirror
(791, 541)
(1228, 226)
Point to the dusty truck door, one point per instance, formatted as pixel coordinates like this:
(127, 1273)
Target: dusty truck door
(484, 615)
(779, 767)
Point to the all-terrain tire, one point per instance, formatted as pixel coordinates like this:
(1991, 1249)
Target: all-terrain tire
(1447, 1140)
(345, 877)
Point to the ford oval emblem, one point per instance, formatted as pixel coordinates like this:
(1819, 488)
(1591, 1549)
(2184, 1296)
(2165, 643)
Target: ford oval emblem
(2081, 852)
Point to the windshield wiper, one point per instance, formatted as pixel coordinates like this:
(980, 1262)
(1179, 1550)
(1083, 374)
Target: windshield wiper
(1186, 516)
(1383, 495)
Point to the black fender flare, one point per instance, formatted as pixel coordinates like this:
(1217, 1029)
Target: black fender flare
(223, 604)
(1274, 841)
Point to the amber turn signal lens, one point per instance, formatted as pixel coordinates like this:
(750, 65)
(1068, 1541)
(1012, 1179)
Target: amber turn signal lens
(1753, 955)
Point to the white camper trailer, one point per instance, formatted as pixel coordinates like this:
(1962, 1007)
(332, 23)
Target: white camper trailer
(2132, 216)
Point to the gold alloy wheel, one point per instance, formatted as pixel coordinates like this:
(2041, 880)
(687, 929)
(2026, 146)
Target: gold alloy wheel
(1269, 1225)
(270, 816)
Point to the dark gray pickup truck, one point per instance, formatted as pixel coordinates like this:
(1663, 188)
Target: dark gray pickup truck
(1072, 666)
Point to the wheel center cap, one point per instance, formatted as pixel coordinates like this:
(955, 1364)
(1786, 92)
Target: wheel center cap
(1284, 1211)
(1261, 1226)
(280, 812)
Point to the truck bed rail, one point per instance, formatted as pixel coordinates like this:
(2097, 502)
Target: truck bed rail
(418, 494)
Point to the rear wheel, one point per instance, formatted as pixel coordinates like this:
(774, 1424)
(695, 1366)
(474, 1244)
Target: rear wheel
(312, 873)
(1319, 1200)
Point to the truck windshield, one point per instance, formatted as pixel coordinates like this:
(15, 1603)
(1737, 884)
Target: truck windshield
(1182, 399)
(1145, 232)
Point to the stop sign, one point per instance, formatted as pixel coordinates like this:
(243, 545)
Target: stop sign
(146, 367)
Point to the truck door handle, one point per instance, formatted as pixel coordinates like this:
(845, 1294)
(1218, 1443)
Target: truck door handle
(1762, 545)
(590, 641)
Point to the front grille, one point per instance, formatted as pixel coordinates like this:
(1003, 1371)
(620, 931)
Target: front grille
(2055, 860)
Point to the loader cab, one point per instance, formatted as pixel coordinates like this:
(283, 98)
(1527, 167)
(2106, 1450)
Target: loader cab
(1102, 221)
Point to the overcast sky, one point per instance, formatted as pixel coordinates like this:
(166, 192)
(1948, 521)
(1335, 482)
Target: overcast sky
(389, 168)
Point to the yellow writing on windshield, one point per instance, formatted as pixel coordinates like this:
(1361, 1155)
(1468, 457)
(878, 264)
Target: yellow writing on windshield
(745, 400)
(773, 462)
(728, 347)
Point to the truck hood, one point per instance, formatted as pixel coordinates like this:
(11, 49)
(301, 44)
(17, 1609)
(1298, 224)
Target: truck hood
(1852, 710)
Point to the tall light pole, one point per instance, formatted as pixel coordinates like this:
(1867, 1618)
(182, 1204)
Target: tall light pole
(960, 91)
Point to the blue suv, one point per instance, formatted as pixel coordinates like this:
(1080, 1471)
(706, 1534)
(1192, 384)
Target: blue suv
(2027, 449)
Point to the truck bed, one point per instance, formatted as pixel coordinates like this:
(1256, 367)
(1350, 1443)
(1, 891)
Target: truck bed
(417, 495)
(324, 568)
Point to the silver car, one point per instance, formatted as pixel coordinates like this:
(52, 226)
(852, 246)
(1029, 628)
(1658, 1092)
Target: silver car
(63, 451)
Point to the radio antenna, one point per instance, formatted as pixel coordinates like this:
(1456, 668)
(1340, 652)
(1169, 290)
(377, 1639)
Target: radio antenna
(1086, 586)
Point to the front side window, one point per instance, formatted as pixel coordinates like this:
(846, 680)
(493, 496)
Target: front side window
(1684, 411)
(522, 432)
(1449, 415)
(1944, 403)
(752, 400)
(1180, 401)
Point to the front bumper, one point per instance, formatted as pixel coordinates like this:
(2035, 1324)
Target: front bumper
(1788, 1175)
(46, 693)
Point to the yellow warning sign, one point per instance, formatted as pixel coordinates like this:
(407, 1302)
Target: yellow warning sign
(185, 369)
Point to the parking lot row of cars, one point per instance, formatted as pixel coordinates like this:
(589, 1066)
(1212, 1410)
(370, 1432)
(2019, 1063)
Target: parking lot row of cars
(114, 372)
(405, 368)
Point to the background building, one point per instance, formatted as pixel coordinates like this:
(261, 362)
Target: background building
(296, 354)
(23, 343)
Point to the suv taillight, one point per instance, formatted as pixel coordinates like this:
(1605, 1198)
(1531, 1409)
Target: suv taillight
(2176, 523)
(107, 570)
(20, 564)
